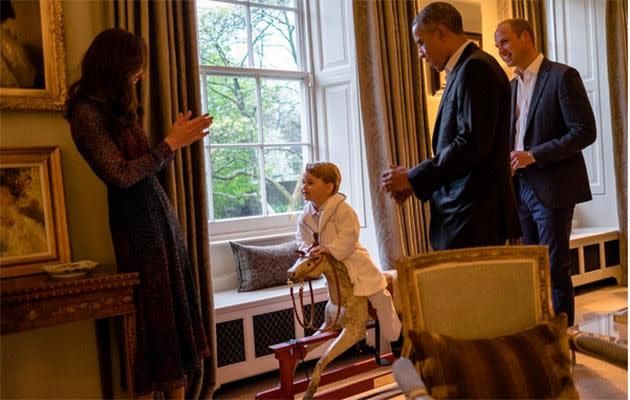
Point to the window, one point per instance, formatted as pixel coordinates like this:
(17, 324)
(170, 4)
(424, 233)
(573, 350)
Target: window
(255, 82)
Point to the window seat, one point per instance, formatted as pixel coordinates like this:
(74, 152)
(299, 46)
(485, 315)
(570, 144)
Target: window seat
(247, 323)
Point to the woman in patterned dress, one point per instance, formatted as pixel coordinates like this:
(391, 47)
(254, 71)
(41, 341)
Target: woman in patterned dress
(105, 125)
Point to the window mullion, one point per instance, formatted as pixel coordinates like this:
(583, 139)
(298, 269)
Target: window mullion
(207, 149)
(209, 170)
(250, 43)
(261, 163)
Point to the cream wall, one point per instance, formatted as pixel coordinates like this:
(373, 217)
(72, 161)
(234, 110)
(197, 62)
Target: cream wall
(61, 362)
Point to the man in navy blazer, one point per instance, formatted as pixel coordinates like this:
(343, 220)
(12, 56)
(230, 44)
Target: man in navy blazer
(468, 180)
(551, 122)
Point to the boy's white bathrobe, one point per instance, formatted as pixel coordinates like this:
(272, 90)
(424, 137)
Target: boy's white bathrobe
(338, 230)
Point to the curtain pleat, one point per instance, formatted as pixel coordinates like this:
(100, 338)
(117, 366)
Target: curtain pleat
(617, 52)
(393, 118)
(170, 31)
(534, 12)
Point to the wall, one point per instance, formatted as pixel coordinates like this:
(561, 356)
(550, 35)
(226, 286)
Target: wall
(61, 362)
(577, 30)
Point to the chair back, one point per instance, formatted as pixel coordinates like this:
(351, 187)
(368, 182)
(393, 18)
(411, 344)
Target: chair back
(474, 293)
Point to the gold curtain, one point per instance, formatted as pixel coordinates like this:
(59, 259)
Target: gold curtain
(393, 117)
(534, 12)
(171, 85)
(617, 52)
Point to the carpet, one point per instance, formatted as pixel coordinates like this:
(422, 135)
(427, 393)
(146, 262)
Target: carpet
(596, 379)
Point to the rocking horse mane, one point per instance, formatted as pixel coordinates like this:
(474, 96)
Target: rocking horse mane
(328, 271)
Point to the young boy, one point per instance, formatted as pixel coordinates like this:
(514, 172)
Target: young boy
(328, 217)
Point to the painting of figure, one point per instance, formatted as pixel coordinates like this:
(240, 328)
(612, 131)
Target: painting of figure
(32, 55)
(23, 230)
(21, 45)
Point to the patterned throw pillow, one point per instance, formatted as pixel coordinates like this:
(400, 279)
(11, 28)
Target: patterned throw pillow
(530, 364)
(263, 266)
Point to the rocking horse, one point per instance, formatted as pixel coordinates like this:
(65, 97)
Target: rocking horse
(343, 311)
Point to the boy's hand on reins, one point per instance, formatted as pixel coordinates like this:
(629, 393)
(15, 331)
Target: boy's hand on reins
(318, 251)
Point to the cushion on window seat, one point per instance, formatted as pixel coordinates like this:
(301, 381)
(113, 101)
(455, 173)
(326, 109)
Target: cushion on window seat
(263, 266)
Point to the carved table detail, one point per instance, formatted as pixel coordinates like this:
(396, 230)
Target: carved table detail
(39, 301)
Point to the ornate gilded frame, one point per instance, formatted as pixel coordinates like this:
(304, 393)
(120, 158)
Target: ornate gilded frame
(53, 96)
(34, 229)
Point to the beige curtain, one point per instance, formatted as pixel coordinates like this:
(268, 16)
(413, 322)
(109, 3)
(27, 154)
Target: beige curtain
(534, 12)
(617, 52)
(393, 117)
(170, 31)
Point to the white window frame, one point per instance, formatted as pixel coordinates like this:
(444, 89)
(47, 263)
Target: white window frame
(264, 225)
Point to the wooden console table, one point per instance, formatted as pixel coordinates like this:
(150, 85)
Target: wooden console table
(38, 301)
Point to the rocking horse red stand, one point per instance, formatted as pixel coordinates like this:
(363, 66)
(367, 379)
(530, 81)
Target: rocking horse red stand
(346, 320)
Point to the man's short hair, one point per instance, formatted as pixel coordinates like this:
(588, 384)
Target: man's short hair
(440, 13)
(520, 25)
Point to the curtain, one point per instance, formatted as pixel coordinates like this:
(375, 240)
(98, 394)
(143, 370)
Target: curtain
(617, 52)
(170, 31)
(534, 12)
(393, 118)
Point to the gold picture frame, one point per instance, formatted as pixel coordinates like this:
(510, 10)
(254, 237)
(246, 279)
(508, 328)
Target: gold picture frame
(33, 225)
(438, 79)
(34, 74)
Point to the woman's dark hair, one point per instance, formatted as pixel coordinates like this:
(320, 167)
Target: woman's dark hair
(106, 71)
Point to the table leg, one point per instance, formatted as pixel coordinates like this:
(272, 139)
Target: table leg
(103, 344)
(129, 329)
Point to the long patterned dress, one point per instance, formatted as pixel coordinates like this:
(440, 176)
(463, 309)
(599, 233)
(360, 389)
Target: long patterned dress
(147, 238)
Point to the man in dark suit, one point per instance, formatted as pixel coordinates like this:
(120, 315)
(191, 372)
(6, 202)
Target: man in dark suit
(468, 179)
(552, 121)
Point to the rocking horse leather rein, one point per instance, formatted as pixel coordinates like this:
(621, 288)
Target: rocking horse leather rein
(310, 324)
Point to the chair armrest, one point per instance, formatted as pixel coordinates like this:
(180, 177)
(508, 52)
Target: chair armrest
(600, 348)
(409, 382)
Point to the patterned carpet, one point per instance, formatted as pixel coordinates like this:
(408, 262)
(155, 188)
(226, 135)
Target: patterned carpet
(597, 379)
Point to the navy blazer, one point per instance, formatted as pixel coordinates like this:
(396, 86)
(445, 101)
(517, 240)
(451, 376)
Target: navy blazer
(560, 123)
(468, 179)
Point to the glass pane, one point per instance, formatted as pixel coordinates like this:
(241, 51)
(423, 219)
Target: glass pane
(232, 102)
(283, 178)
(287, 3)
(222, 34)
(281, 103)
(274, 39)
(235, 183)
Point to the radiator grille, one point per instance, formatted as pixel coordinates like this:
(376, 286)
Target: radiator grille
(591, 257)
(613, 255)
(320, 310)
(575, 261)
(230, 342)
(272, 328)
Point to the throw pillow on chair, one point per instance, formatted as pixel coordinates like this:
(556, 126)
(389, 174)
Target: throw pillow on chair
(534, 363)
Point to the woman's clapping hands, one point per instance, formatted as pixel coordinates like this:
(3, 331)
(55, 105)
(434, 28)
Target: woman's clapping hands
(186, 131)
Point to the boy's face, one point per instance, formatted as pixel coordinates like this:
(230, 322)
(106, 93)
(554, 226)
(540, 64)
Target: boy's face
(315, 189)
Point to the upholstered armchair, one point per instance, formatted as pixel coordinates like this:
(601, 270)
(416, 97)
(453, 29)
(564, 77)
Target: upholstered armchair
(479, 323)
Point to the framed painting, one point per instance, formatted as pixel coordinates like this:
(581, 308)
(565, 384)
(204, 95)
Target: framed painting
(438, 79)
(32, 65)
(33, 226)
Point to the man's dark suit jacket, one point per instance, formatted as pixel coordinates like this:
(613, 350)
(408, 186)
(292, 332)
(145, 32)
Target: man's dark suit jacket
(468, 179)
(560, 123)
